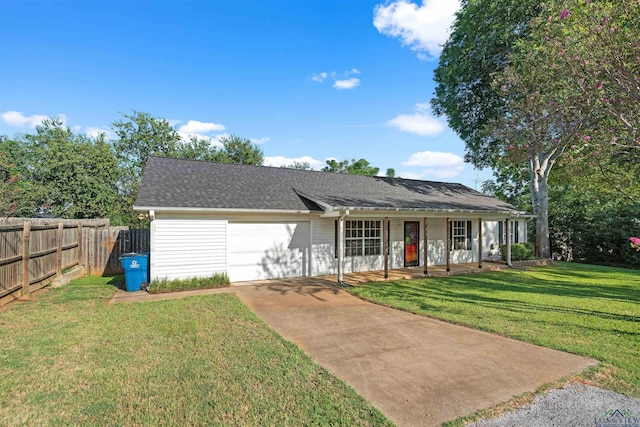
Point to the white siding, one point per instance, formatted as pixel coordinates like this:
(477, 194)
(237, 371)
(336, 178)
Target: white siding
(268, 250)
(323, 249)
(490, 236)
(437, 235)
(183, 248)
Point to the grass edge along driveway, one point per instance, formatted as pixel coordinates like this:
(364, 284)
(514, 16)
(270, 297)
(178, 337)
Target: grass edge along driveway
(591, 311)
(69, 358)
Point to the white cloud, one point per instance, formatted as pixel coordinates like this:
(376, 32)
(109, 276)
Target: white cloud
(319, 77)
(260, 140)
(341, 80)
(94, 132)
(424, 27)
(195, 127)
(203, 130)
(437, 164)
(18, 119)
(278, 161)
(433, 174)
(346, 84)
(433, 158)
(422, 122)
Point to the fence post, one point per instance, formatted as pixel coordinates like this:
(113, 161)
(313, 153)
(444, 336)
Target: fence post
(59, 250)
(80, 245)
(26, 233)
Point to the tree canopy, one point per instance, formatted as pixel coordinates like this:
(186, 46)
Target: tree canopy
(525, 85)
(63, 173)
(57, 171)
(353, 166)
(482, 39)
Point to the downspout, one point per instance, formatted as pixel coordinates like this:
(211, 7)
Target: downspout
(341, 248)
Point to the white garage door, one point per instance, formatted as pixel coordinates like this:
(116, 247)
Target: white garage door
(267, 250)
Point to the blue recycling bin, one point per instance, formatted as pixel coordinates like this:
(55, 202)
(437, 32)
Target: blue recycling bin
(135, 267)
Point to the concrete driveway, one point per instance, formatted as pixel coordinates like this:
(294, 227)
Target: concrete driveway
(417, 371)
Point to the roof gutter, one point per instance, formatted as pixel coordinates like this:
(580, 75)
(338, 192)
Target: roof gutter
(233, 210)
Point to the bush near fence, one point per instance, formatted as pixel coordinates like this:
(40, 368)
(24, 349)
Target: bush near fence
(36, 251)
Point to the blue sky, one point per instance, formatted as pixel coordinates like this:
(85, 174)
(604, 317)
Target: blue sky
(307, 80)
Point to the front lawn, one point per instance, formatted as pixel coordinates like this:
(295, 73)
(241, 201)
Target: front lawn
(582, 309)
(71, 358)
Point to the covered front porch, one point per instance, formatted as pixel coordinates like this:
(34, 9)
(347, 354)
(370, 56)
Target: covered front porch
(416, 272)
(373, 245)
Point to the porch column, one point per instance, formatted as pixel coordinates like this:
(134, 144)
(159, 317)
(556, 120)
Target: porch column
(385, 246)
(507, 239)
(479, 242)
(448, 244)
(426, 246)
(340, 248)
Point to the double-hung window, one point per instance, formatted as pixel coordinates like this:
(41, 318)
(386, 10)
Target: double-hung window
(461, 235)
(514, 231)
(362, 238)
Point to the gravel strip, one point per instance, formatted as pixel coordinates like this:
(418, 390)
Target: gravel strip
(575, 405)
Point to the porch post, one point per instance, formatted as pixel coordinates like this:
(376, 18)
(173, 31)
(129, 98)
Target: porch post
(385, 246)
(426, 246)
(507, 225)
(448, 244)
(340, 248)
(479, 242)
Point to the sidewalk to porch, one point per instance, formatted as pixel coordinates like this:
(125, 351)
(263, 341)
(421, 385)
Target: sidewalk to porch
(417, 272)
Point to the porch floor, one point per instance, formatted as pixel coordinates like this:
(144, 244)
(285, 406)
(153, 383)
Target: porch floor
(417, 272)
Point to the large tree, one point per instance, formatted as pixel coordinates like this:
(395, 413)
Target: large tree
(520, 89)
(482, 39)
(239, 150)
(140, 135)
(67, 174)
(226, 149)
(572, 89)
(9, 180)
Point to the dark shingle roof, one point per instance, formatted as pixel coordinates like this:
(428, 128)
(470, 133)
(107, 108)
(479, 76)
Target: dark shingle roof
(177, 183)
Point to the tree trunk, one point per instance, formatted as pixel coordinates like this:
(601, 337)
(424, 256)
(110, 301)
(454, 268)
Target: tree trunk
(540, 165)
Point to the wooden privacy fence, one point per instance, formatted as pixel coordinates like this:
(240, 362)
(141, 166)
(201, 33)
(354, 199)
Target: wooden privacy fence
(105, 245)
(32, 255)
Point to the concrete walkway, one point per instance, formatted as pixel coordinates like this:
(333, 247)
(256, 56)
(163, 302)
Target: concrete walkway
(418, 371)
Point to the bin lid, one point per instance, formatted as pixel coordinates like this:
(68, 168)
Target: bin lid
(133, 254)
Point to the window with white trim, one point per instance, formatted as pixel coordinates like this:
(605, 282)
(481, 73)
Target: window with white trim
(514, 232)
(461, 235)
(362, 238)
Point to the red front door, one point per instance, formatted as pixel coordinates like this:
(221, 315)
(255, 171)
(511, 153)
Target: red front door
(411, 239)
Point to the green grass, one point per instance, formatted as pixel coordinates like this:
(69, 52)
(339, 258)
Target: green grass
(587, 310)
(158, 286)
(71, 358)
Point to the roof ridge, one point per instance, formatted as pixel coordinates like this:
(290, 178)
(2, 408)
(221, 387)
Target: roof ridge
(302, 170)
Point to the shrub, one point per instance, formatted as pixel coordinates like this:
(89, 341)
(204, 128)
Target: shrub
(519, 251)
(218, 280)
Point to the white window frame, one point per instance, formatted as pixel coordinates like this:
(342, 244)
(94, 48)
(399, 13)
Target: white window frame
(363, 237)
(460, 240)
(514, 232)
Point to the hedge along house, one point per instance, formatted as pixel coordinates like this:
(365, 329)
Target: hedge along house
(256, 222)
